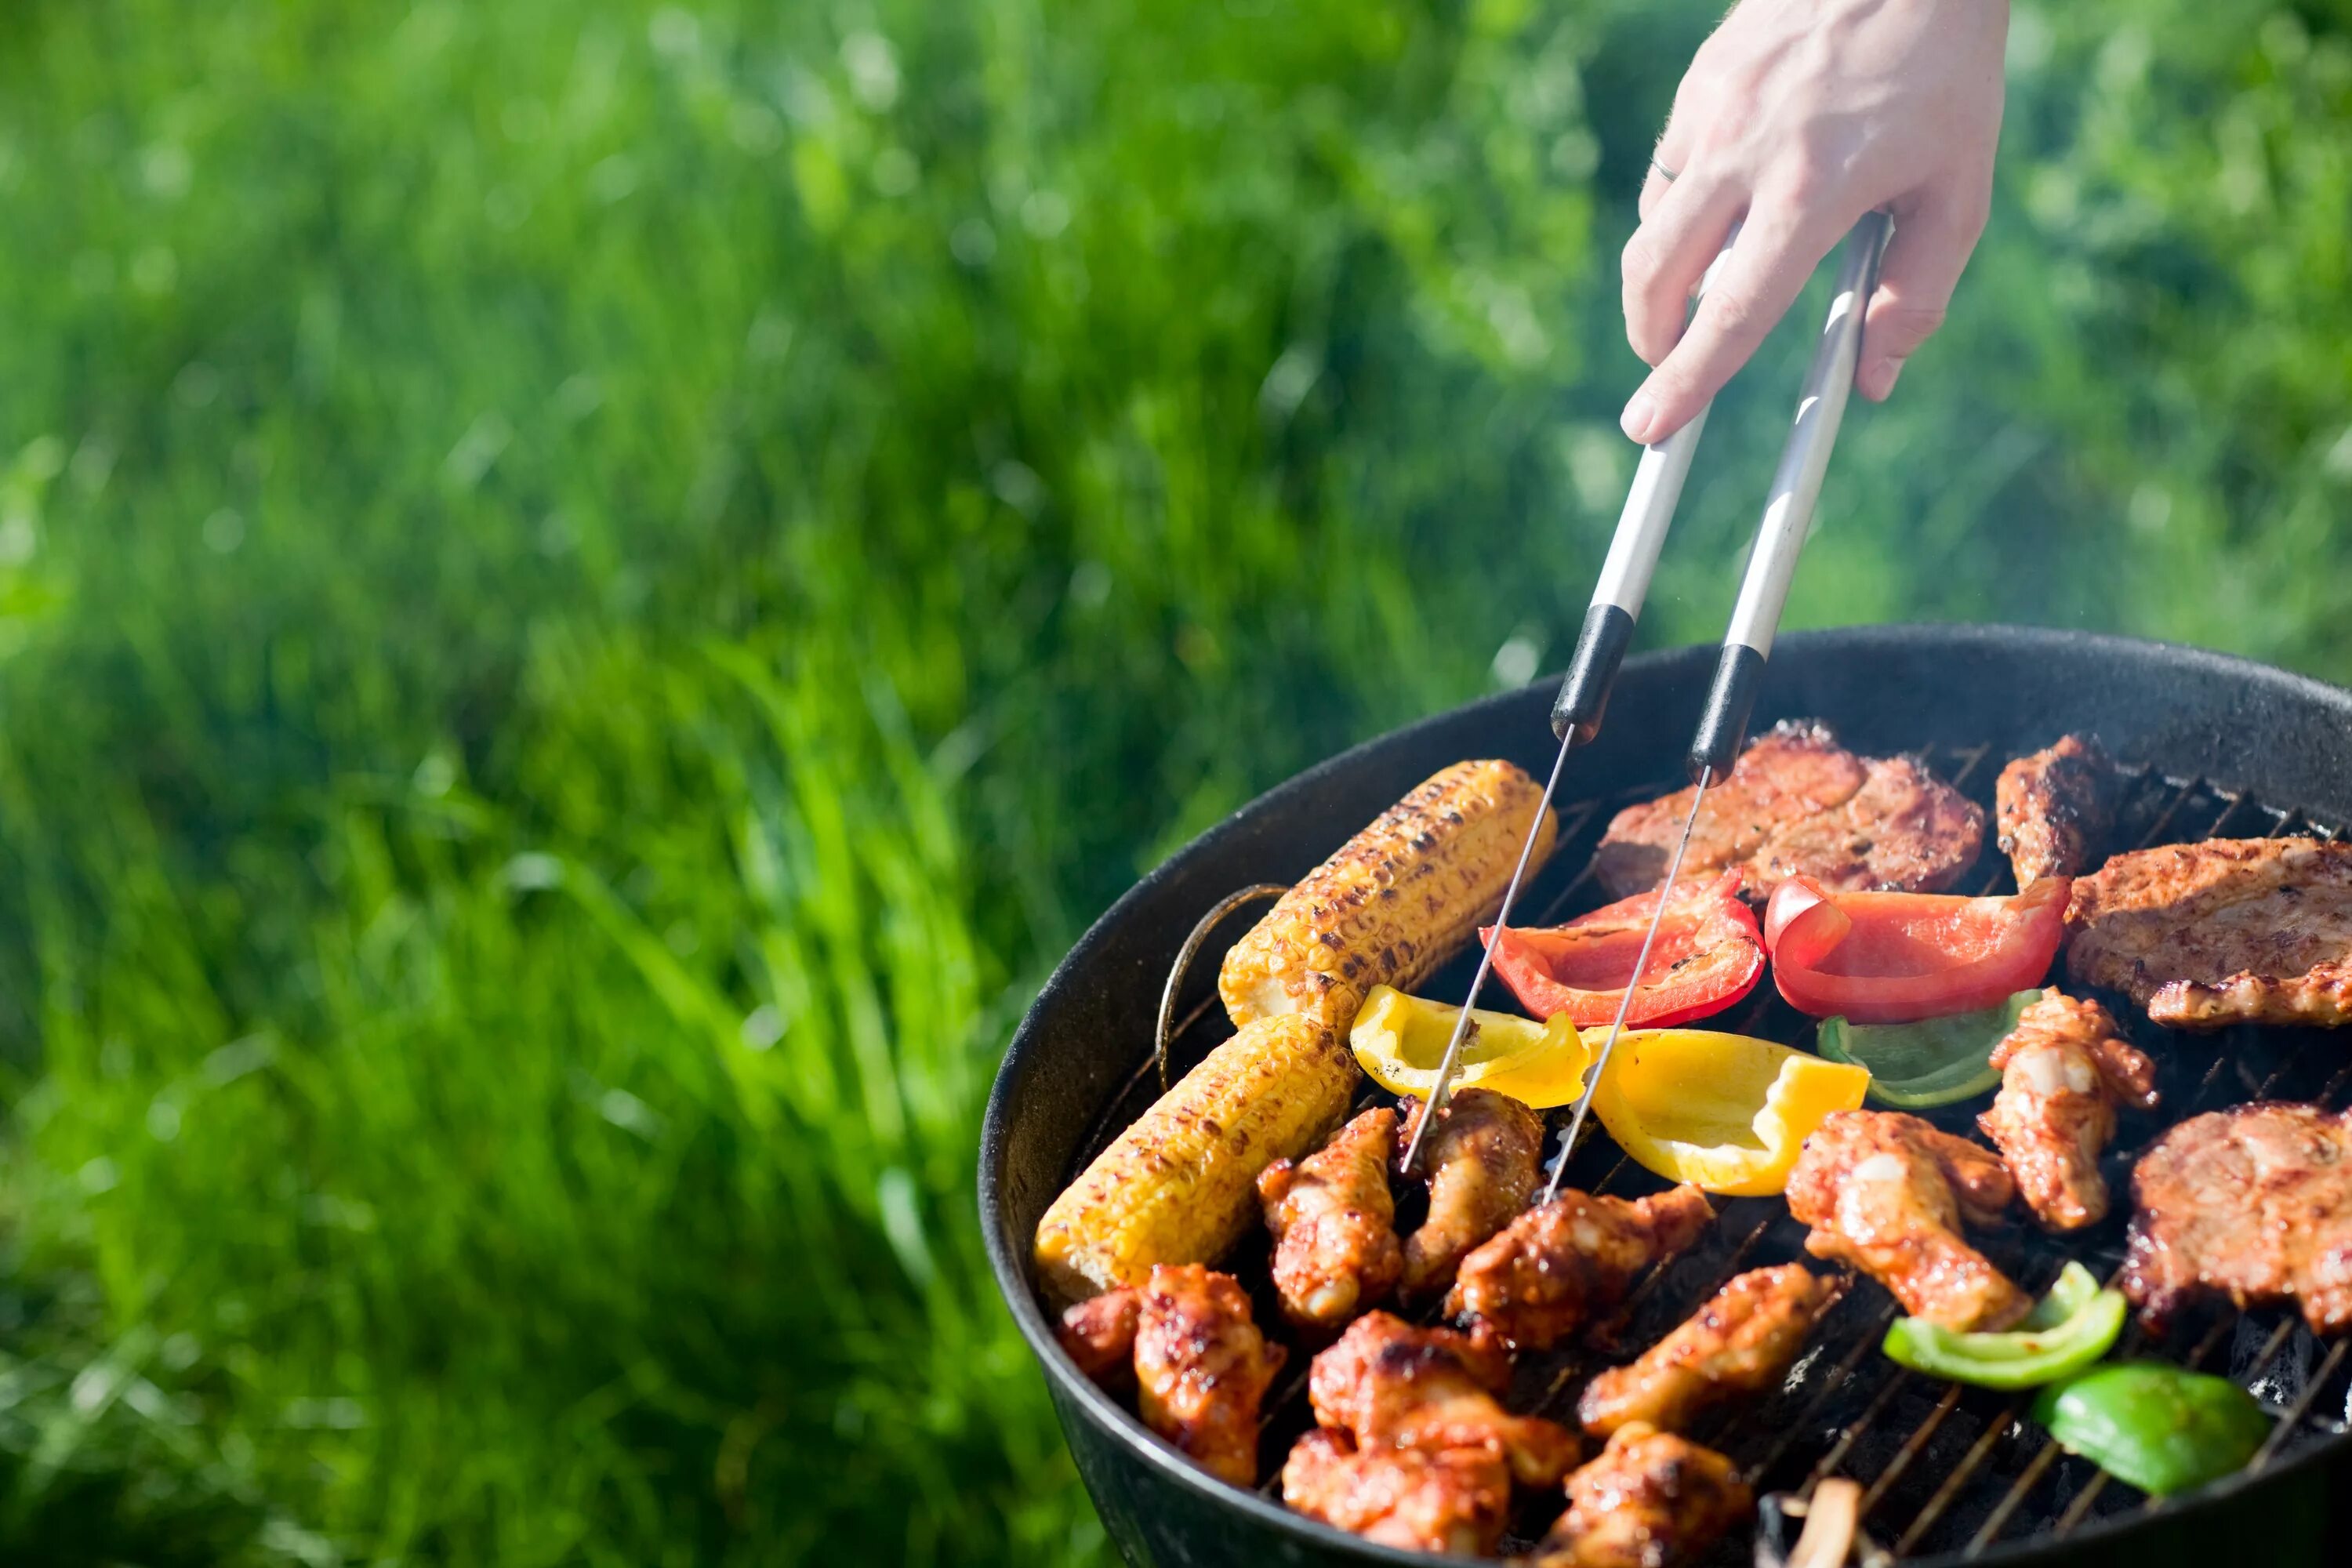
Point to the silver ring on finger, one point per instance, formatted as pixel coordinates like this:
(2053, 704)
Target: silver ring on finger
(1663, 173)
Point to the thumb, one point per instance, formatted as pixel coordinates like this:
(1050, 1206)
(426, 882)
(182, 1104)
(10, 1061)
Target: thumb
(1931, 245)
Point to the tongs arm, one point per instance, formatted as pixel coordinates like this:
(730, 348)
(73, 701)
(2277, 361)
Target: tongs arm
(1789, 508)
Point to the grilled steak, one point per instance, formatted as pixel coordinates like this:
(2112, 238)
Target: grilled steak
(1902, 829)
(2253, 1204)
(1798, 802)
(2232, 931)
(2055, 808)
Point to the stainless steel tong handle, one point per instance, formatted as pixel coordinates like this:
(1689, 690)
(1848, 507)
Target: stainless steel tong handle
(1789, 508)
(1626, 570)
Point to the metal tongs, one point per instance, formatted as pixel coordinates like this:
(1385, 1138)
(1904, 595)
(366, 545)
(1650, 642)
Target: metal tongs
(1617, 603)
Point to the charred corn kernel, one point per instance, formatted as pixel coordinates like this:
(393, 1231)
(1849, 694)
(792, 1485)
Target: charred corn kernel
(1395, 901)
(1179, 1185)
(1399, 1041)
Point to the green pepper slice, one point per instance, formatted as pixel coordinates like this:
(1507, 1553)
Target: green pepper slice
(1933, 1062)
(2156, 1426)
(2068, 1329)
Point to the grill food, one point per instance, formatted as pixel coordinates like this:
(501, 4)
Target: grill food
(1393, 903)
(1099, 1334)
(1741, 1341)
(2054, 809)
(1563, 1263)
(1902, 830)
(1454, 1500)
(1797, 803)
(1388, 1385)
(1482, 1162)
(1333, 1224)
(1202, 1368)
(1650, 1501)
(1886, 1192)
(2253, 930)
(1178, 1186)
(2064, 1070)
(1940, 1471)
(2253, 1204)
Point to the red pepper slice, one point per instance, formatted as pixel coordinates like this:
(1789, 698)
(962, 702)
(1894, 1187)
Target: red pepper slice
(1708, 955)
(1895, 958)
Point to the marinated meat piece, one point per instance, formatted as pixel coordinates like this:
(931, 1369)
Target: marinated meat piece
(1564, 1264)
(1649, 1500)
(1203, 1368)
(2055, 808)
(1791, 772)
(1454, 1500)
(1742, 1341)
(2232, 931)
(1388, 1385)
(2062, 1071)
(1333, 1221)
(1886, 1193)
(2253, 1204)
(1902, 830)
(1482, 1161)
(1799, 802)
(1099, 1335)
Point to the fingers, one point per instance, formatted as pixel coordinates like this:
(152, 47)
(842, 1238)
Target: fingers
(1774, 256)
(1669, 253)
(1924, 261)
(1667, 161)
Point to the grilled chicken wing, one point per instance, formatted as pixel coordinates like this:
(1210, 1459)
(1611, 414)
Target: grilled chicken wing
(1099, 1335)
(2231, 931)
(1649, 1500)
(1743, 1339)
(1203, 1368)
(1886, 1193)
(2253, 1204)
(2054, 809)
(1565, 1263)
(2062, 1071)
(1482, 1159)
(1799, 802)
(1335, 1245)
(1388, 1385)
(1452, 1500)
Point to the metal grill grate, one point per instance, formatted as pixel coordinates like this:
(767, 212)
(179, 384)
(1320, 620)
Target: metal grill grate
(1946, 1470)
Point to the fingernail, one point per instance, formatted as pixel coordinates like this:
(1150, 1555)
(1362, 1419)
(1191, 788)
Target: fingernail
(1880, 383)
(1640, 417)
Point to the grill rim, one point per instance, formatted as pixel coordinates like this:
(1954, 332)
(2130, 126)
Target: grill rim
(2139, 661)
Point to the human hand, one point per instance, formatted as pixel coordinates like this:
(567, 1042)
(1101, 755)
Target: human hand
(1796, 118)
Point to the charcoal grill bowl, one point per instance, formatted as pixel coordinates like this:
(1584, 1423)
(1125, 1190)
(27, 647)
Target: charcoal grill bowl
(2285, 738)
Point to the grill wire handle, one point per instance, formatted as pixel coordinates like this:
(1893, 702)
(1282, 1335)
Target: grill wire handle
(1789, 508)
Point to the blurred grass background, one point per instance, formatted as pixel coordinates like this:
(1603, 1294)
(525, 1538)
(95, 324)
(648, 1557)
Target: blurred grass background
(591, 592)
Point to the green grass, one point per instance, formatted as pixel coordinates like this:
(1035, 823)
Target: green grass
(589, 595)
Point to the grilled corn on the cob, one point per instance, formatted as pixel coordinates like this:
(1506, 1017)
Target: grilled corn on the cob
(1393, 903)
(1180, 1186)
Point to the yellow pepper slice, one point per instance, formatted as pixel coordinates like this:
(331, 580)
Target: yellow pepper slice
(1725, 1111)
(1398, 1040)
